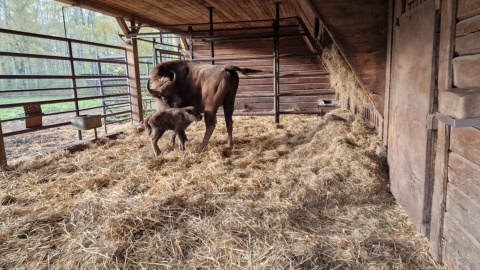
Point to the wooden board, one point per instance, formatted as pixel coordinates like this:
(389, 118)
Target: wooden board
(468, 26)
(467, 9)
(468, 44)
(466, 70)
(461, 249)
(461, 230)
(466, 143)
(411, 100)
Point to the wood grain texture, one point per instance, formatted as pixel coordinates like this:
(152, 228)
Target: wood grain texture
(468, 26)
(466, 143)
(461, 249)
(465, 176)
(466, 70)
(468, 44)
(460, 103)
(410, 101)
(467, 9)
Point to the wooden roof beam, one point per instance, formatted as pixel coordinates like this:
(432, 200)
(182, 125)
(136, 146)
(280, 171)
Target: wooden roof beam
(97, 7)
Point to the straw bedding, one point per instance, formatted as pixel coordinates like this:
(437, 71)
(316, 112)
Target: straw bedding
(309, 193)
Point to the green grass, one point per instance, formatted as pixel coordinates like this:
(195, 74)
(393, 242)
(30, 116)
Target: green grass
(16, 112)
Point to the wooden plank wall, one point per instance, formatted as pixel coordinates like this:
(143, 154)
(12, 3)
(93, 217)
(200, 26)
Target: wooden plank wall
(462, 217)
(303, 80)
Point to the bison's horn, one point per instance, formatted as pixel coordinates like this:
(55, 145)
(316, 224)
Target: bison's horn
(148, 87)
(174, 80)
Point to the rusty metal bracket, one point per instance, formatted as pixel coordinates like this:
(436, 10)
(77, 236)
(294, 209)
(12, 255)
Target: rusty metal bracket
(455, 123)
(432, 122)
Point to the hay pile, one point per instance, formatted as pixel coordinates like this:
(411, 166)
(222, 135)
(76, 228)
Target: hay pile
(303, 194)
(342, 79)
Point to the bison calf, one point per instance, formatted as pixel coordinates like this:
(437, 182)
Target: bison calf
(176, 119)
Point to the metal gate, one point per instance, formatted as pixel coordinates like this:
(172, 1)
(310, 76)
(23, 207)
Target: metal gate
(412, 97)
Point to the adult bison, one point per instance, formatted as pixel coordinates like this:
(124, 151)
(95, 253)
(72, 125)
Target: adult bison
(182, 83)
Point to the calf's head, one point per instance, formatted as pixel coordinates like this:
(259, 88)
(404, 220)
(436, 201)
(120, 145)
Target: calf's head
(192, 114)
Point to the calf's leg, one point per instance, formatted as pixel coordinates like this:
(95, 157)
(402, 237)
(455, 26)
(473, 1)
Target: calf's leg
(156, 135)
(182, 137)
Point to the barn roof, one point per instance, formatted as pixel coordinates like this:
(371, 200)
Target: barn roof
(359, 28)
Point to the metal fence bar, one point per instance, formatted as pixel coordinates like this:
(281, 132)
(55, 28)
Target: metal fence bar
(23, 131)
(60, 88)
(2, 77)
(12, 105)
(54, 57)
(14, 32)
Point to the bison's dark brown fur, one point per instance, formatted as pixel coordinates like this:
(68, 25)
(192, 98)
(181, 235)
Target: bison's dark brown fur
(206, 87)
(176, 119)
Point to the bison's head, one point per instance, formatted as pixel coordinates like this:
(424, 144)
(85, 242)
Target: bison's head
(164, 88)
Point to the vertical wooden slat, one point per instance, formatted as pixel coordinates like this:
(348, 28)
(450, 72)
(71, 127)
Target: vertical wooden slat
(134, 81)
(391, 18)
(133, 70)
(210, 33)
(447, 35)
(190, 33)
(74, 84)
(276, 63)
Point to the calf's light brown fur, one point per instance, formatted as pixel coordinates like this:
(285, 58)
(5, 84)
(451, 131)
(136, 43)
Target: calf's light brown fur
(176, 119)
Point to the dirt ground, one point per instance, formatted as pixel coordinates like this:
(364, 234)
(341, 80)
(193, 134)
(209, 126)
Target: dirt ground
(44, 141)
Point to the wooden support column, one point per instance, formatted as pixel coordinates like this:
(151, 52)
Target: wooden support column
(210, 33)
(190, 33)
(3, 155)
(276, 64)
(445, 82)
(133, 69)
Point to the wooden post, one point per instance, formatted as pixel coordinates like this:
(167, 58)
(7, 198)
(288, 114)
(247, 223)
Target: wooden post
(276, 64)
(74, 84)
(210, 34)
(133, 70)
(190, 33)
(445, 78)
(3, 155)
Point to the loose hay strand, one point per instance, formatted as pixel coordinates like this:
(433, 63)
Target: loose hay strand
(342, 79)
(305, 194)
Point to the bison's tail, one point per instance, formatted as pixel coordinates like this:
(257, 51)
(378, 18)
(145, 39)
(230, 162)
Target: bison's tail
(244, 71)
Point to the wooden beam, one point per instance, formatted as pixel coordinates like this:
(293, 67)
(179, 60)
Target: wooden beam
(388, 73)
(445, 81)
(276, 64)
(133, 69)
(123, 25)
(107, 10)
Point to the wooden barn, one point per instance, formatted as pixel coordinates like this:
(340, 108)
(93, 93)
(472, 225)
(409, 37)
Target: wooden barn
(416, 63)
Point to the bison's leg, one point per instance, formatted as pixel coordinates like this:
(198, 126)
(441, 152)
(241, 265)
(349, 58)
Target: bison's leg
(156, 135)
(182, 137)
(229, 106)
(210, 121)
(228, 111)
